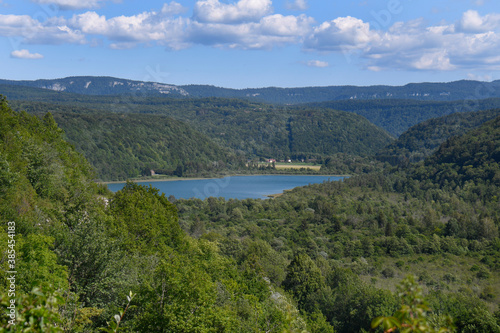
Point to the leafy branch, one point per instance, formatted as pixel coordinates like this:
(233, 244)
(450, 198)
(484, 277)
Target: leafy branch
(413, 315)
(113, 326)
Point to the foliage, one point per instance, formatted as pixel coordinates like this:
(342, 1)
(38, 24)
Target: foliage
(36, 311)
(37, 264)
(95, 245)
(423, 139)
(126, 146)
(303, 278)
(114, 326)
(414, 313)
(144, 219)
(398, 115)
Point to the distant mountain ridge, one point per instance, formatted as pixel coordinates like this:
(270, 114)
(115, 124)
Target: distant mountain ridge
(97, 85)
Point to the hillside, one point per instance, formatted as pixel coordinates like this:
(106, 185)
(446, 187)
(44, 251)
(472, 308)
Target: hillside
(397, 116)
(92, 85)
(263, 131)
(81, 253)
(472, 158)
(251, 129)
(122, 146)
(421, 140)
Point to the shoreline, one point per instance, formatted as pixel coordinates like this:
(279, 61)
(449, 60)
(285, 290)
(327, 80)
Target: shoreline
(151, 179)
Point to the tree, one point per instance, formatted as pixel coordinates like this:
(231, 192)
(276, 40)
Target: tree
(146, 220)
(303, 277)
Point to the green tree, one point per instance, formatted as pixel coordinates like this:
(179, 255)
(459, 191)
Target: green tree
(146, 220)
(37, 264)
(303, 277)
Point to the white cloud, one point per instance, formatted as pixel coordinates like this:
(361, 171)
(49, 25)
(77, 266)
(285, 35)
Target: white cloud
(270, 31)
(25, 54)
(172, 8)
(72, 4)
(374, 68)
(52, 31)
(213, 11)
(164, 28)
(127, 31)
(434, 48)
(471, 21)
(471, 43)
(438, 60)
(280, 25)
(317, 63)
(296, 4)
(341, 34)
(239, 25)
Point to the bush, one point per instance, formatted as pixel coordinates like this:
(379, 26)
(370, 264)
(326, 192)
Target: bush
(400, 263)
(388, 272)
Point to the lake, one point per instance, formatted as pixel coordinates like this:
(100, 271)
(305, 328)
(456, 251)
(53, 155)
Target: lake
(234, 187)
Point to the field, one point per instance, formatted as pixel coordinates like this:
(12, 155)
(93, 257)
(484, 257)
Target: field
(297, 166)
(283, 166)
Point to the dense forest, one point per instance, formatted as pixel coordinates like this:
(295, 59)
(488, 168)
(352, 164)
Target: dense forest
(421, 140)
(397, 116)
(125, 145)
(393, 246)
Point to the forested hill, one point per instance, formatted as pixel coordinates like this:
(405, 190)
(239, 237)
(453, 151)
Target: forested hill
(396, 116)
(123, 146)
(421, 140)
(470, 158)
(92, 85)
(450, 91)
(249, 129)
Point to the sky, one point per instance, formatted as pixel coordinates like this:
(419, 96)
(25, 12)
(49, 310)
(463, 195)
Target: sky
(252, 43)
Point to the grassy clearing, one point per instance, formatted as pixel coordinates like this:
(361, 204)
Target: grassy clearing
(439, 272)
(281, 166)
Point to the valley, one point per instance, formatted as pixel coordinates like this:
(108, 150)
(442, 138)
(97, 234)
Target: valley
(421, 200)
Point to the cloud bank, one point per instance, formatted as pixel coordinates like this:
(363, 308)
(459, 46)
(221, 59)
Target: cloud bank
(472, 42)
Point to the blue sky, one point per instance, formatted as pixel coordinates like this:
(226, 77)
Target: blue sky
(252, 43)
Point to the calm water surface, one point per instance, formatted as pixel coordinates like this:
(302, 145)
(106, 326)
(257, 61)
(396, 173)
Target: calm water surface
(235, 187)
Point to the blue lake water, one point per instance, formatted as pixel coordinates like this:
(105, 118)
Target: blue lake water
(234, 187)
